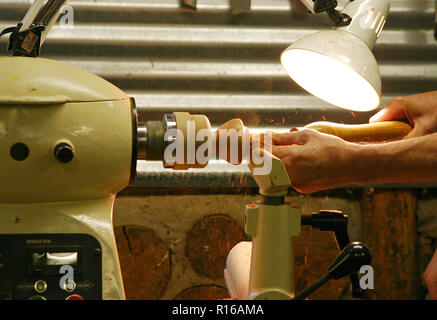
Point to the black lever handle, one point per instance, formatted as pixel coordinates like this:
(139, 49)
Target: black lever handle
(336, 221)
(350, 260)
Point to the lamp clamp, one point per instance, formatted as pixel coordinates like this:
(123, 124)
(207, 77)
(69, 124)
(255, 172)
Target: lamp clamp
(28, 36)
(328, 6)
(25, 43)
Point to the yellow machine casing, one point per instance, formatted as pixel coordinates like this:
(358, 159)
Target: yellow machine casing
(44, 103)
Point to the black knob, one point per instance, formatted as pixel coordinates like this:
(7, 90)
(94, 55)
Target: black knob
(64, 152)
(350, 260)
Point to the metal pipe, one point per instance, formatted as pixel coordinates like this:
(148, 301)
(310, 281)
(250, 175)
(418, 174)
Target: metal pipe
(151, 141)
(49, 12)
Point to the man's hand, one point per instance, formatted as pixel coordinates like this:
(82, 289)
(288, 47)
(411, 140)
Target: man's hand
(430, 277)
(420, 110)
(314, 161)
(317, 161)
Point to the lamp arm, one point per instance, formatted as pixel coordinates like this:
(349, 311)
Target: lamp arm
(309, 4)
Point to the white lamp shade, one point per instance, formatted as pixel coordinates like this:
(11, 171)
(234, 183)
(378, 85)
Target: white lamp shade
(336, 66)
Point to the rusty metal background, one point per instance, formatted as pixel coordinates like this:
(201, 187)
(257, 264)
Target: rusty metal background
(171, 57)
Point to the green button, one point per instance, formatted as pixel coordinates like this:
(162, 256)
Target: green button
(37, 298)
(40, 286)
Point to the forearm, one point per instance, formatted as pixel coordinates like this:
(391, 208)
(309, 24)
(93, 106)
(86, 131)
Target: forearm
(406, 161)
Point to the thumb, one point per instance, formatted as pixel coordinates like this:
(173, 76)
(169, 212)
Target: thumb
(419, 129)
(395, 110)
(413, 133)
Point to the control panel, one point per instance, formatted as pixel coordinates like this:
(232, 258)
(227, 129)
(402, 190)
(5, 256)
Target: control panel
(50, 267)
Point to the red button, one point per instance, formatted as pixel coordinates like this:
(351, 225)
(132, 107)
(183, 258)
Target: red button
(74, 297)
